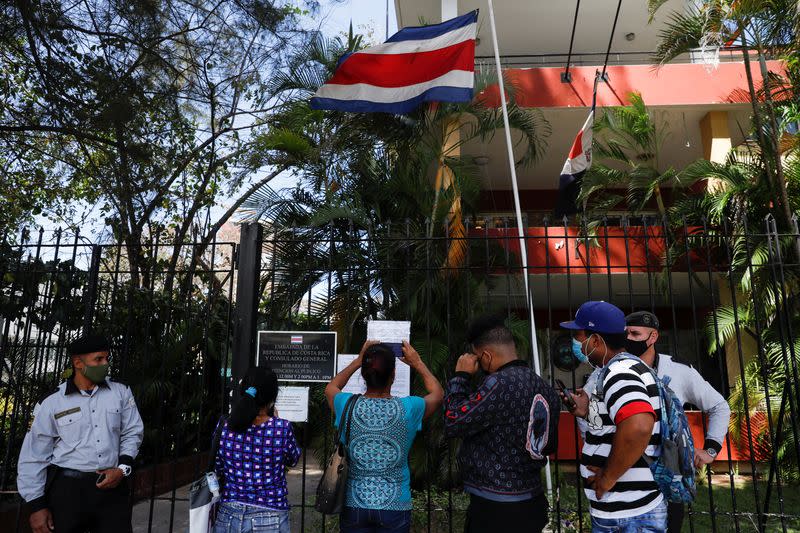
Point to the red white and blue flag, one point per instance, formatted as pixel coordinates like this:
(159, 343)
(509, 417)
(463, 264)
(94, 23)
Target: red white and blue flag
(578, 162)
(415, 65)
(296, 339)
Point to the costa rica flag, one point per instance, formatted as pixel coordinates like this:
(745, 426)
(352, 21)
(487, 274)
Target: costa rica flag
(415, 65)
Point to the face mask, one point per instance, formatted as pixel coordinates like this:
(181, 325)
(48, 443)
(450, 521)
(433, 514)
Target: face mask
(95, 374)
(636, 348)
(577, 352)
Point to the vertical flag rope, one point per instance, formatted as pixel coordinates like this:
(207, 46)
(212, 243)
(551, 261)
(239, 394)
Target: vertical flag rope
(522, 245)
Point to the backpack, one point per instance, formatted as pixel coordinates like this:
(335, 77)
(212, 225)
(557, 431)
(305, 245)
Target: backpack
(673, 470)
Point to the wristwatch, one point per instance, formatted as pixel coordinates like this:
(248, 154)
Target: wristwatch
(126, 470)
(712, 452)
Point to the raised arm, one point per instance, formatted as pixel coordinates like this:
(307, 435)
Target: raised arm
(468, 412)
(338, 382)
(433, 400)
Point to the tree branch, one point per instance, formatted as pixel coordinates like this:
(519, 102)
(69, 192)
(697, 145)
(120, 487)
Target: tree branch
(57, 129)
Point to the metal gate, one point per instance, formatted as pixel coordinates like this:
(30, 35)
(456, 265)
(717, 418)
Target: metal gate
(183, 322)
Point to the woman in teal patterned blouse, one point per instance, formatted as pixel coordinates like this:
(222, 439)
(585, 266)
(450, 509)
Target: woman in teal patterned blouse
(381, 433)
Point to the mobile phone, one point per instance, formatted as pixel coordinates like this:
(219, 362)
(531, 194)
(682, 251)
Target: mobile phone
(100, 478)
(565, 394)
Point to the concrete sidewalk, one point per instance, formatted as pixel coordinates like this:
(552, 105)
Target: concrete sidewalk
(163, 511)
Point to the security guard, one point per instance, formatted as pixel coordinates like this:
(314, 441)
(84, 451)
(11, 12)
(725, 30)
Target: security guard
(80, 448)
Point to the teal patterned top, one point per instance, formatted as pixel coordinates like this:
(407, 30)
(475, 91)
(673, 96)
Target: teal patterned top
(381, 434)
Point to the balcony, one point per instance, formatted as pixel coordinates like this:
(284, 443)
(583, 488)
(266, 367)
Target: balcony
(486, 62)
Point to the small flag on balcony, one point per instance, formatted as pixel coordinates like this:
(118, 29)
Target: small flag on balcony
(578, 162)
(415, 65)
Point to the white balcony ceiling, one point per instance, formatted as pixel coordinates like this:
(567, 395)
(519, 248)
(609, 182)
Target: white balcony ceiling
(544, 26)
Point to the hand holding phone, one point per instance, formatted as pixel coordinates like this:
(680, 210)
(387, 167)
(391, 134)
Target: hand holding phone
(566, 395)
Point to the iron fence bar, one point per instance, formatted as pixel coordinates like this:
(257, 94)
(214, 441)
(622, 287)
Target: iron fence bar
(697, 344)
(448, 340)
(740, 355)
(761, 355)
(150, 291)
(428, 299)
(91, 294)
(773, 237)
(720, 367)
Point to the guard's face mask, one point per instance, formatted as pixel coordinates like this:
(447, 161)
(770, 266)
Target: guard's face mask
(637, 348)
(95, 374)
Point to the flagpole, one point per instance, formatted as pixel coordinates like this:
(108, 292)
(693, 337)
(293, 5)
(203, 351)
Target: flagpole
(522, 245)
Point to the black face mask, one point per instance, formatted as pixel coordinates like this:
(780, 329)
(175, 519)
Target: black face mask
(636, 348)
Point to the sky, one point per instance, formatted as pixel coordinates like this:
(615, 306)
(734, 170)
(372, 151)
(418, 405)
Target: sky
(335, 18)
(337, 15)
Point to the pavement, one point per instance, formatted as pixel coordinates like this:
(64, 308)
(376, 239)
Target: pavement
(173, 517)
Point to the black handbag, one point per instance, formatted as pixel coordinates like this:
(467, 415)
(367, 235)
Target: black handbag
(333, 485)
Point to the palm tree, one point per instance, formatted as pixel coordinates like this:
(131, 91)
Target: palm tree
(370, 232)
(627, 147)
(769, 27)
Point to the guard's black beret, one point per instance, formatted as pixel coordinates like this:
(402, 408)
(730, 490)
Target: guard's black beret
(642, 318)
(88, 344)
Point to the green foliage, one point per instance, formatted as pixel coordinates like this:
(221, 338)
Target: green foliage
(141, 115)
(627, 151)
(368, 222)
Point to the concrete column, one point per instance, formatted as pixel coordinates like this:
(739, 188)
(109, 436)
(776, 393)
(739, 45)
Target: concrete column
(717, 145)
(716, 136)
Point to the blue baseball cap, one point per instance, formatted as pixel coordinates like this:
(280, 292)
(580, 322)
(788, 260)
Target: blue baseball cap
(600, 317)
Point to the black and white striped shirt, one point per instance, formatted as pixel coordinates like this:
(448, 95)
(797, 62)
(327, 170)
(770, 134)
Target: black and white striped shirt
(629, 389)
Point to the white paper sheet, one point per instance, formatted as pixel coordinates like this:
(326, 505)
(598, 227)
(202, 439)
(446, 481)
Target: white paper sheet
(292, 403)
(391, 332)
(402, 377)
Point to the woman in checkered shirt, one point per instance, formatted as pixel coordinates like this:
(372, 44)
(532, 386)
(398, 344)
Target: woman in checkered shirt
(255, 448)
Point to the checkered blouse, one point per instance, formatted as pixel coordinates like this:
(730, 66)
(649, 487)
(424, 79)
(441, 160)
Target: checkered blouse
(253, 464)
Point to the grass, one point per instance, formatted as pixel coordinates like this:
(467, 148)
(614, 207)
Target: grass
(700, 518)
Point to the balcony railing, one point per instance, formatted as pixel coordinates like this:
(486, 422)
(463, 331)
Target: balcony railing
(726, 55)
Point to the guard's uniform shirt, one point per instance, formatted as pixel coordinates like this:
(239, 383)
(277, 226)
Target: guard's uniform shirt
(78, 430)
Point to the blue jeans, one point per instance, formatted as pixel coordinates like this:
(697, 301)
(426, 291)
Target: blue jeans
(654, 521)
(235, 517)
(355, 520)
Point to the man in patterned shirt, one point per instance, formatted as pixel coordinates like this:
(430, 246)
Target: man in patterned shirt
(621, 414)
(508, 426)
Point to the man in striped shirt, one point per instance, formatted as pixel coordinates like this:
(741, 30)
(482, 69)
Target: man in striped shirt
(621, 413)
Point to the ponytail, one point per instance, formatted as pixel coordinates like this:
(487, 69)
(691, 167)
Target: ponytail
(258, 389)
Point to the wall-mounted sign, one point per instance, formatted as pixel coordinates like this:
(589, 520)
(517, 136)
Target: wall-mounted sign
(292, 404)
(298, 355)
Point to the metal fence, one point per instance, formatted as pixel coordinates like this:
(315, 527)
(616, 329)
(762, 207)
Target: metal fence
(183, 321)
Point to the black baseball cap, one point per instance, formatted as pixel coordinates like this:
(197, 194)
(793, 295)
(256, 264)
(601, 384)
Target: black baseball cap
(642, 318)
(88, 344)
